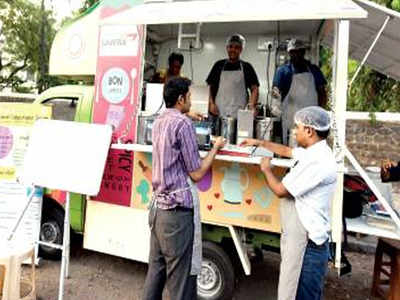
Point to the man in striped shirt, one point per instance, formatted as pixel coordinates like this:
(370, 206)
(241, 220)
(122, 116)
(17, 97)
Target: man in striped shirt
(175, 245)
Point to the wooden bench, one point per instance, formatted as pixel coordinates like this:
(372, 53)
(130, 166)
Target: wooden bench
(388, 287)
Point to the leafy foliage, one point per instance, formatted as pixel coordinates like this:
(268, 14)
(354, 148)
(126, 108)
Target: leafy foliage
(21, 26)
(371, 91)
(87, 4)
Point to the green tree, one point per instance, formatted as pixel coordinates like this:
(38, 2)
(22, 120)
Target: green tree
(373, 91)
(87, 4)
(21, 27)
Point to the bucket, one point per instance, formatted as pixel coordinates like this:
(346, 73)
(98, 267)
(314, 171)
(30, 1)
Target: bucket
(145, 121)
(264, 128)
(228, 129)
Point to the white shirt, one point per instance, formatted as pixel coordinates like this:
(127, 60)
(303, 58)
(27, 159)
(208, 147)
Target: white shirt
(312, 183)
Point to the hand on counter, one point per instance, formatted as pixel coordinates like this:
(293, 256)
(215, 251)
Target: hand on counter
(195, 116)
(253, 109)
(219, 142)
(265, 164)
(250, 142)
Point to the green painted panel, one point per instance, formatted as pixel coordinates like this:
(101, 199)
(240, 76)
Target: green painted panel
(256, 238)
(214, 233)
(77, 211)
(259, 239)
(83, 114)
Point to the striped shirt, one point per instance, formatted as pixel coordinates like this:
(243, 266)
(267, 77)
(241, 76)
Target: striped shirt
(175, 155)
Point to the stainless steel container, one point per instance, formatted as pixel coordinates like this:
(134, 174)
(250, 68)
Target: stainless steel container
(144, 129)
(264, 128)
(228, 129)
(245, 125)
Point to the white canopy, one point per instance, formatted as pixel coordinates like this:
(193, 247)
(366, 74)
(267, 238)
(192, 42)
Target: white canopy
(385, 56)
(236, 11)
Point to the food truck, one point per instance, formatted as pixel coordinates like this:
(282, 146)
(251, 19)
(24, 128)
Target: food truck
(116, 47)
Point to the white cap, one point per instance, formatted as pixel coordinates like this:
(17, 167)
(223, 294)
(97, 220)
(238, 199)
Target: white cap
(236, 38)
(295, 44)
(313, 116)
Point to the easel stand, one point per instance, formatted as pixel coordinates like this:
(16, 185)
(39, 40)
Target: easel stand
(64, 273)
(82, 173)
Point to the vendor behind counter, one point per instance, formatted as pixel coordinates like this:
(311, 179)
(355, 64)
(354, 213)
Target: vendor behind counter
(175, 63)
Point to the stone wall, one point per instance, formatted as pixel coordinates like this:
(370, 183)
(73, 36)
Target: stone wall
(370, 143)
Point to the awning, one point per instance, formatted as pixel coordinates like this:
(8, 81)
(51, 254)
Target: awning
(385, 55)
(74, 48)
(236, 11)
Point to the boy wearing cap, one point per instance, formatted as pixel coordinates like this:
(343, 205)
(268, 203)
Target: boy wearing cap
(229, 81)
(298, 84)
(305, 192)
(175, 63)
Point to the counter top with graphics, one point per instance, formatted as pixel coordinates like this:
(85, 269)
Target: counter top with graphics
(232, 158)
(232, 192)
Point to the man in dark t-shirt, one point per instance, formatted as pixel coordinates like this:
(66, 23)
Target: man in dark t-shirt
(230, 80)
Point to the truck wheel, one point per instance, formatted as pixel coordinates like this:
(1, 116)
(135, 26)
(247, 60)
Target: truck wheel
(51, 231)
(217, 279)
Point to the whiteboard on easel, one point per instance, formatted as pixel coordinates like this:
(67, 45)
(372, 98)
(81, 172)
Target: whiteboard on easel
(67, 156)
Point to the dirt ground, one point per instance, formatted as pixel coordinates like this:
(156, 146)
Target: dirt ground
(96, 276)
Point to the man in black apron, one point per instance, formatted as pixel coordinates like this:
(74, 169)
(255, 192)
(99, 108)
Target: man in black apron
(174, 216)
(229, 81)
(299, 84)
(306, 193)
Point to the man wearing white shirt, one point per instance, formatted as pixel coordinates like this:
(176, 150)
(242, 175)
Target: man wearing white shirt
(306, 193)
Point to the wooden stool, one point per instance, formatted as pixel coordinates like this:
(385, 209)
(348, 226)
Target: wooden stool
(11, 285)
(390, 269)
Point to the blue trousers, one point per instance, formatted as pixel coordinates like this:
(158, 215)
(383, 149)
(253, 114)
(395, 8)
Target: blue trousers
(313, 272)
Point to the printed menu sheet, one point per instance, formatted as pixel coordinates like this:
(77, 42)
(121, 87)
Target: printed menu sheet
(16, 120)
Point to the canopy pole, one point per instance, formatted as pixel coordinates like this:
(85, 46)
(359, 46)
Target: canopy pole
(339, 101)
(369, 50)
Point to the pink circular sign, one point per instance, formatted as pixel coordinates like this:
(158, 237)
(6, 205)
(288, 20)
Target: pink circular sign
(6, 141)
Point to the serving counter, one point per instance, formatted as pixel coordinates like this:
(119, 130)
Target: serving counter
(279, 162)
(233, 191)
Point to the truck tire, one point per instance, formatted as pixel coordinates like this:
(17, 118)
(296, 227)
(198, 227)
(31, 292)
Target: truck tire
(217, 278)
(51, 231)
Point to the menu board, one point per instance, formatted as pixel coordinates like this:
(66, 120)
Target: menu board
(16, 120)
(13, 199)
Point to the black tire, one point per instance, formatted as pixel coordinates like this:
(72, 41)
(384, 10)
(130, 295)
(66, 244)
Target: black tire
(217, 278)
(52, 231)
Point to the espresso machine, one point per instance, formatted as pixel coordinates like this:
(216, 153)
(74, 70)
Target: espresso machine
(145, 127)
(203, 134)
